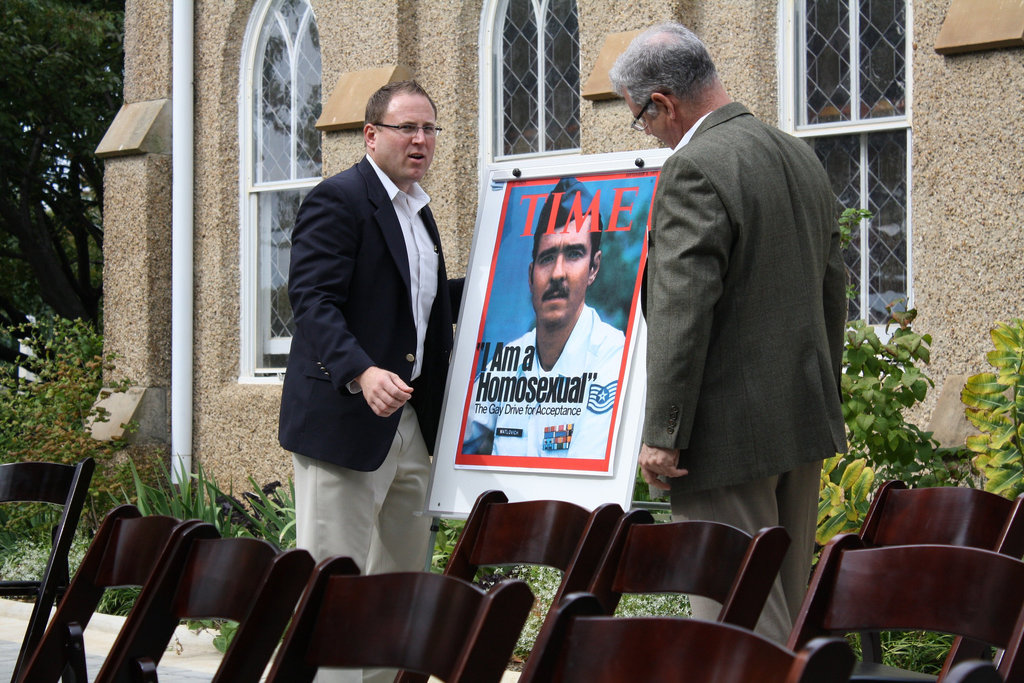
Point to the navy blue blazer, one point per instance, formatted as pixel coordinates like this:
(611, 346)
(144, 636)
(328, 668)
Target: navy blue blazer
(348, 284)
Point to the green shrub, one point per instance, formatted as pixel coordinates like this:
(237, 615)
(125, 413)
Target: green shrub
(544, 581)
(44, 418)
(879, 383)
(995, 405)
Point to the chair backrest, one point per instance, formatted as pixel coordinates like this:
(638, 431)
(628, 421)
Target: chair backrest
(44, 482)
(585, 646)
(204, 576)
(944, 515)
(552, 533)
(124, 552)
(711, 559)
(974, 671)
(426, 623)
(970, 592)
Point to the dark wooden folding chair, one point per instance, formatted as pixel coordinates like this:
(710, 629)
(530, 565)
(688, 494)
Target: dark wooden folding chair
(426, 623)
(710, 559)
(62, 485)
(974, 671)
(204, 576)
(551, 533)
(587, 646)
(970, 592)
(126, 549)
(944, 515)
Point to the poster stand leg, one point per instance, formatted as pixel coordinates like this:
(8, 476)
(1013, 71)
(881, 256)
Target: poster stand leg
(435, 525)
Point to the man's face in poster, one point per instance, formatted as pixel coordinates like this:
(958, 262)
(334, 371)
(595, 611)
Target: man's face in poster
(560, 273)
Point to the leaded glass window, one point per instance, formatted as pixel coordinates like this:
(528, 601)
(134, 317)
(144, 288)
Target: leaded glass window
(283, 162)
(537, 99)
(851, 103)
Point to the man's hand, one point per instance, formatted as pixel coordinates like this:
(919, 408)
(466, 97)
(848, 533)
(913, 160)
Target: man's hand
(384, 391)
(656, 461)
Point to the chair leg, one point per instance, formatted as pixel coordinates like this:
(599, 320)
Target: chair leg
(74, 653)
(871, 646)
(145, 669)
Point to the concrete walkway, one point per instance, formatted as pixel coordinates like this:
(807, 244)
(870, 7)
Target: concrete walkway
(191, 658)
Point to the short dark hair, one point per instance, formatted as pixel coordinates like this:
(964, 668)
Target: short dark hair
(378, 103)
(561, 219)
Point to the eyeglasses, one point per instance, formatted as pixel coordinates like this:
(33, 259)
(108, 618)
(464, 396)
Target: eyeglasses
(409, 130)
(640, 123)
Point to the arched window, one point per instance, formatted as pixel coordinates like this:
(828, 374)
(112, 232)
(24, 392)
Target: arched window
(536, 91)
(280, 162)
(849, 97)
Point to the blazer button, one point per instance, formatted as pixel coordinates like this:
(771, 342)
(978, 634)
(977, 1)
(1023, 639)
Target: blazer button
(409, 357)
(671, 430)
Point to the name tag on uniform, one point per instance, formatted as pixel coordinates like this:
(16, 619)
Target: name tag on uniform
(508, 431)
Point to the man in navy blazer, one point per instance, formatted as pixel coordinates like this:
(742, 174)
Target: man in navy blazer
(373, 315)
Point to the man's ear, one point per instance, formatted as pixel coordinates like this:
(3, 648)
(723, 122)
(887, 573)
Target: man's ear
(595, 265)
(529, 279)
(370, 136)
(663, 101)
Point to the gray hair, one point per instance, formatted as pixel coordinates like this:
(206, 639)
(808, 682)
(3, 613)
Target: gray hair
(667, 58)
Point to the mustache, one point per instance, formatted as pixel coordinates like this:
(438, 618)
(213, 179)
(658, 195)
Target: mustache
(556, 290)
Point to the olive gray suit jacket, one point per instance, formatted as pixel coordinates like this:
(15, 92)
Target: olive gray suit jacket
(745, 305)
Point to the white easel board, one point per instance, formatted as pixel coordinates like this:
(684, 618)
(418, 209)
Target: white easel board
(571, 432)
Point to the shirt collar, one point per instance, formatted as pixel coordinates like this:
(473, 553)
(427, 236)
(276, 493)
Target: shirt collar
(689, 133)
(417, 197)
(573, 360)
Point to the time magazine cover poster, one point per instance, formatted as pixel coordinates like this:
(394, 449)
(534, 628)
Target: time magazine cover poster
(557, 327)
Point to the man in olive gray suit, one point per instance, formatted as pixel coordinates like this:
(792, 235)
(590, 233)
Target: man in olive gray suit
(745, 306)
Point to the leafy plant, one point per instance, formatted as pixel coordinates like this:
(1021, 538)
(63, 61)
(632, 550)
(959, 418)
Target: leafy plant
(225, 631)
(448, 532)
(46, 400)
(880, 381)
(544, 581)
(995, 405)
(272, 512)
(849, 220)
(196, 496)
(844, 498)
(118, 601)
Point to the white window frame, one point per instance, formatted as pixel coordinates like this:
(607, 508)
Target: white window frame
(792, 91)
(491, 92)
(251, 337)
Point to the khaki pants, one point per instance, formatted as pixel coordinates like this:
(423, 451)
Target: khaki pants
(373, 517)
(790, 500)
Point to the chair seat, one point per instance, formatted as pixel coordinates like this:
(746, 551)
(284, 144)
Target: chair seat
(19, 588)
(880, 673)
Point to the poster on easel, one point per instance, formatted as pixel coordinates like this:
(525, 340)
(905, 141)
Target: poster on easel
(545, 388)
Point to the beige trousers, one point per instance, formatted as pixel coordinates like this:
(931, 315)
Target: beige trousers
(373, 517)
(790, 500)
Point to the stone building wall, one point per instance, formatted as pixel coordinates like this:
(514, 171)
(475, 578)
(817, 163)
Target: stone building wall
(968, 152)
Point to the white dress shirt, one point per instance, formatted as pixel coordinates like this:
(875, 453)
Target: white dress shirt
(422, 252)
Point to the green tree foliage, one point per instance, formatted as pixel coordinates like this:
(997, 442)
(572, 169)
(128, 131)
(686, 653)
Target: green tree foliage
(43, 414)
(62, 77)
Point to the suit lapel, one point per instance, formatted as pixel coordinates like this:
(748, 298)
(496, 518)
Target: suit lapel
(387, 220)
